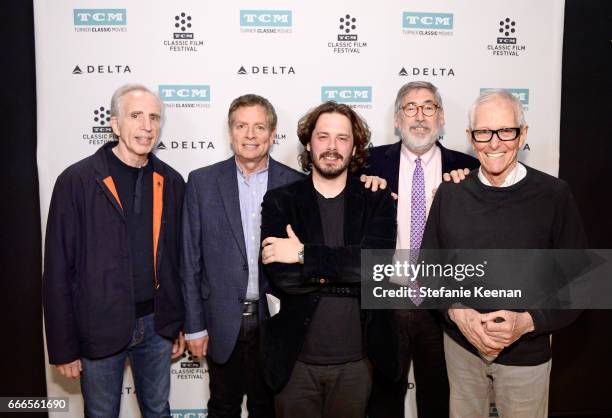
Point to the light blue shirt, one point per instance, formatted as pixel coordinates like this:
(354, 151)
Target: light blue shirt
(251, 191)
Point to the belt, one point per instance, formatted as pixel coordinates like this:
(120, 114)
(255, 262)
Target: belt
(249, 307)
(349, 291)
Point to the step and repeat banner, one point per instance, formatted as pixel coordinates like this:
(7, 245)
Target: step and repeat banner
(200, 55)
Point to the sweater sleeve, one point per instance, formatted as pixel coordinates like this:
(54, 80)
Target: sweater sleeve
(567, 233)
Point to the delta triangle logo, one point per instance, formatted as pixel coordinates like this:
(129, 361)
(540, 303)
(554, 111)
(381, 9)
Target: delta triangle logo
(403, 72)
(161, 145)
(242, 70)
(77, 70)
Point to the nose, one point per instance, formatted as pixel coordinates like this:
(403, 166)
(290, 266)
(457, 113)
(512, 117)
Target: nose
(250, 132)
(331, 143)
(146, 124)
(495, 141)
(419, 115)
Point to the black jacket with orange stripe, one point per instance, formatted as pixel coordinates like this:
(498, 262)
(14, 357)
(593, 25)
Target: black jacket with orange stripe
(87, 286)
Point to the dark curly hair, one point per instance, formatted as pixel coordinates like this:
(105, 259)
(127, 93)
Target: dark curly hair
(361, 133)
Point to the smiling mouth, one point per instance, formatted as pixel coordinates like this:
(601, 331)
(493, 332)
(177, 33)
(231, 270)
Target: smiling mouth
(330, 157)
(495, 155)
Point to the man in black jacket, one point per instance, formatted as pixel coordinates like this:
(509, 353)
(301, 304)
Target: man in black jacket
(414, 168)
(317, 349)
(111, 287)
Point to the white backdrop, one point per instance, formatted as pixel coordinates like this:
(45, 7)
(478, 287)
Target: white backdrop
(199, 55)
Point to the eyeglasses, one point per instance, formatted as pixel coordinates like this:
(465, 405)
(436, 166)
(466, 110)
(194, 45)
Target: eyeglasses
(504, 134)
(412, 109)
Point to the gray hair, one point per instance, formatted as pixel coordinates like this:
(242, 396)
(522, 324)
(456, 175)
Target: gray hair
(415, 85)
(128, 88)
(498, 94)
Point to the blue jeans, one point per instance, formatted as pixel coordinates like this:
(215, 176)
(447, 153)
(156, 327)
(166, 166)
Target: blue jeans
(150, 357)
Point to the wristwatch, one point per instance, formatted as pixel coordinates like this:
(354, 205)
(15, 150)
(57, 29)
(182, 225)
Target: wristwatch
(301, 255)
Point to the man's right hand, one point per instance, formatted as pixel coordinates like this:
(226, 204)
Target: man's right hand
(198, 347)
(71, 370)
(470, 324)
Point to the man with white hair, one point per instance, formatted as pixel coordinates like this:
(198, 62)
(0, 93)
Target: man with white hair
(111, 288)
(505, 204)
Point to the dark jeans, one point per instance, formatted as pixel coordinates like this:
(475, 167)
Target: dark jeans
(149, 353)
(325, 391)
(420, 338)
(240, 375)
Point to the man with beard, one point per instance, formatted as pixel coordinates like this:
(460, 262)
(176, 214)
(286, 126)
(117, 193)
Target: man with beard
(318, 347)
(413, 168)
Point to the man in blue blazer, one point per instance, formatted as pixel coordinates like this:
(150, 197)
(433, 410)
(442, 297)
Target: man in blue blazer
(413, 168)
(221, 278)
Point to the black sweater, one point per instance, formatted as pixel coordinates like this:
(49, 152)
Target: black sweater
(538, 212)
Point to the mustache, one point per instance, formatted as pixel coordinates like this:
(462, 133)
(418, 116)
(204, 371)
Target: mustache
(330, 154)
(418, 125)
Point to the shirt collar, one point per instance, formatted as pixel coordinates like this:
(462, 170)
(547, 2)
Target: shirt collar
(517, 174)
(262, 170)
(425, 158)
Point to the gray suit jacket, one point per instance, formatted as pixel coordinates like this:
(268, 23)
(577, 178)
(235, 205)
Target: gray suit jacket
(214, 266)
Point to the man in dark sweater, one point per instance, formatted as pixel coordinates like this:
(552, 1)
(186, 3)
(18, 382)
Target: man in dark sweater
(317, 349)
(110, 287)
(508, 205)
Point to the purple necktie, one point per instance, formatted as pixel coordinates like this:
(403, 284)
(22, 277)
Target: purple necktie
(418, 216)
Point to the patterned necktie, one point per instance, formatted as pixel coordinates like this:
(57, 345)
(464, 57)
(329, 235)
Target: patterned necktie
(418, 216)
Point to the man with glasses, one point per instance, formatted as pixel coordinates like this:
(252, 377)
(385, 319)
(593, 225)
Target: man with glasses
(414, 168)
(504, 204)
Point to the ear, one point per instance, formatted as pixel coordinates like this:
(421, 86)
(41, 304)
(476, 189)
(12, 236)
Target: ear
(115, 125)
(272, 137)
(468, 136)
(441, 117)
(523, 136)
(354, 151)
(308, 147)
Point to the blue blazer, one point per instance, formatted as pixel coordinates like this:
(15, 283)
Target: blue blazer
(384, 161)
(214, 266)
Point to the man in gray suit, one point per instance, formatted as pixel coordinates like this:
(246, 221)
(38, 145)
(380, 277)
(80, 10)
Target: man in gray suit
(221, 278)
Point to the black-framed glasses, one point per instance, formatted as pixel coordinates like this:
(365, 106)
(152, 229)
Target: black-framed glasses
(411, 109)
(504, 134)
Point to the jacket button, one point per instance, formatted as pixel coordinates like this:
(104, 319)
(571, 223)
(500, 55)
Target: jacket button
(245, 267)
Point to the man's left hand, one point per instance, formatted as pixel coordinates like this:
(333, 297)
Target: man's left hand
(373, 182)
(178, 346)
(514, 325)
(281, 250)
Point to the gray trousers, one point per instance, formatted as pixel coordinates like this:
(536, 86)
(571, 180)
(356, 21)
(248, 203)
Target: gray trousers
(520, 391)
(326, 391)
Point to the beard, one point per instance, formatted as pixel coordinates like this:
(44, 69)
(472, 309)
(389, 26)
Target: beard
(420, 143)
(327, 171)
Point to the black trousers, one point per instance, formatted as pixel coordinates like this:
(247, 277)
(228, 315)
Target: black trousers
(420, 338)
(326, 391)
(241, 375)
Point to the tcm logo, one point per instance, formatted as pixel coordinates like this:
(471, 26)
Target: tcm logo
(100, 17)
(189, 413)
(521, 94)
(417, 20)
(346, 94)
(184, 93)
(266, 18)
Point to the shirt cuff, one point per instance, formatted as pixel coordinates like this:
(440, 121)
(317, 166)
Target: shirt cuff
(196, 335)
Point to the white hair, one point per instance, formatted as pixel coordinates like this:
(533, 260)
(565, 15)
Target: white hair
(497, 94)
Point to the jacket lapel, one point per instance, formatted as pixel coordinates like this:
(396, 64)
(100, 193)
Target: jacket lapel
(228, 188)
(354, 205)
(275, 174)
(392, 165)
(309, 216)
